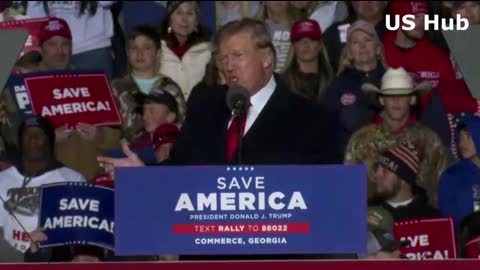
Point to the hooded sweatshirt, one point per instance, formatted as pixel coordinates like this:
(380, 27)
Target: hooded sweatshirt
(459, 188)
(21, 192)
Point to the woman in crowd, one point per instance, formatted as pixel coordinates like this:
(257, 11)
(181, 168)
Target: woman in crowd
(279, 17)
(362, 60)
(144, 52)
(92, 27)
(227, 11)
(186, 49)
(309, 71)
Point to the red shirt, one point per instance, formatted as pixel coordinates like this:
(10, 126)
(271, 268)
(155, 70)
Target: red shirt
(431, 63)
(181, 50)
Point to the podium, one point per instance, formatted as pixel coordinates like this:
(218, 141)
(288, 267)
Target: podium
(240, 210)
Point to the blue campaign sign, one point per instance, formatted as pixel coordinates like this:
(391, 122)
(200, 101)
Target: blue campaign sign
(75, 213)
(240, 210)
(19, 95)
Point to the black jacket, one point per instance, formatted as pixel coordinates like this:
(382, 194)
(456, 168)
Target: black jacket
(345, 99)
(417, 209)
(289, 130)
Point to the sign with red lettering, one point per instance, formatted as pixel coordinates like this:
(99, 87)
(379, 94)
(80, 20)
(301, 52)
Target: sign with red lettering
(73, 98)
(33, 28)
(429, 238)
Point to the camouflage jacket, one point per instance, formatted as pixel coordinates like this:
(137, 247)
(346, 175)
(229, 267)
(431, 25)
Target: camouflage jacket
(126, 93)
(366, 144)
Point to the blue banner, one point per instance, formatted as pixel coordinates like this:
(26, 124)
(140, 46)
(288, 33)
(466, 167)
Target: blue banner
(240, 210)
(77, 214)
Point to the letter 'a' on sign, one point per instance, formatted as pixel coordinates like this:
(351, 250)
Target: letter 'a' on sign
(464, 47)
(12, 44)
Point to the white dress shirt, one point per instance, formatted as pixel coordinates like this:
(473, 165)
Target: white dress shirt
(258, 102)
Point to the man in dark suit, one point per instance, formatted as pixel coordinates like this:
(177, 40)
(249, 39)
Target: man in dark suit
(280, 127)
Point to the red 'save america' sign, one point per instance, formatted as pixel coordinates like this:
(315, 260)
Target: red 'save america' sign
(73, 98)
(429, 238)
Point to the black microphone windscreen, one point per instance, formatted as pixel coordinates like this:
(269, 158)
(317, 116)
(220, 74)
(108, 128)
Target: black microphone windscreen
(238, 98)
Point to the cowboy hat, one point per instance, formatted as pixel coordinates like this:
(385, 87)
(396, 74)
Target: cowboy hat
(396, 81)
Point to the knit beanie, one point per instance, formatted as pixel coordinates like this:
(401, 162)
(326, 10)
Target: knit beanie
(402, 160)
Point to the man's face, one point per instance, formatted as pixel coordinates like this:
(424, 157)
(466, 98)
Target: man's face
(466, 145)
(387, 184)
(142, 53)
(35, 144)
(469, 10)
(56, 52)
(369, 10)
(396, 108)
(419, 31)
(243, 63)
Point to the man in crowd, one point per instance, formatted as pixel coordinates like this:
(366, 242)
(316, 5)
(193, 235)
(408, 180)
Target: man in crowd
(20, 184)
(77, 148)
(469, 10)
(414, 51)
(397, 124)
(335, 37)
(280, 127)
(396, 186)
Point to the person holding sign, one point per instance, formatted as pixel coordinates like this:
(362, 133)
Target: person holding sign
(396, 186)
(459, 189)
(20, 184)
(144, 52)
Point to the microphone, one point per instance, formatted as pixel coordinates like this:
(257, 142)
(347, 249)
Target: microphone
(238, 99)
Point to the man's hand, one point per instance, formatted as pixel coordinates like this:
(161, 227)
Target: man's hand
(37, 236)
(62, 133)
(132, 160)
(87, 132)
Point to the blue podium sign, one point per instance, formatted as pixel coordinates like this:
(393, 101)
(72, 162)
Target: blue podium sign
(240, 210)
(75, 213)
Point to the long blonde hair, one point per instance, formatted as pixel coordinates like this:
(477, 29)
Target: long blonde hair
(292, 77)
(346, 60)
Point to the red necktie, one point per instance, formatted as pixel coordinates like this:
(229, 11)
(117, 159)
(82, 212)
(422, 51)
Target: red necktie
(232, 135)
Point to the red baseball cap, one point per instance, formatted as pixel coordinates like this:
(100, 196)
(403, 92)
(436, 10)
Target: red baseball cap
(54, 27)
(167, 133)
(305, 28)
(403, 8)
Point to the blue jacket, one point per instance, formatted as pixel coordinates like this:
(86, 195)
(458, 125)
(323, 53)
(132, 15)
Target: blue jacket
(459, 188)
(345, 99)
